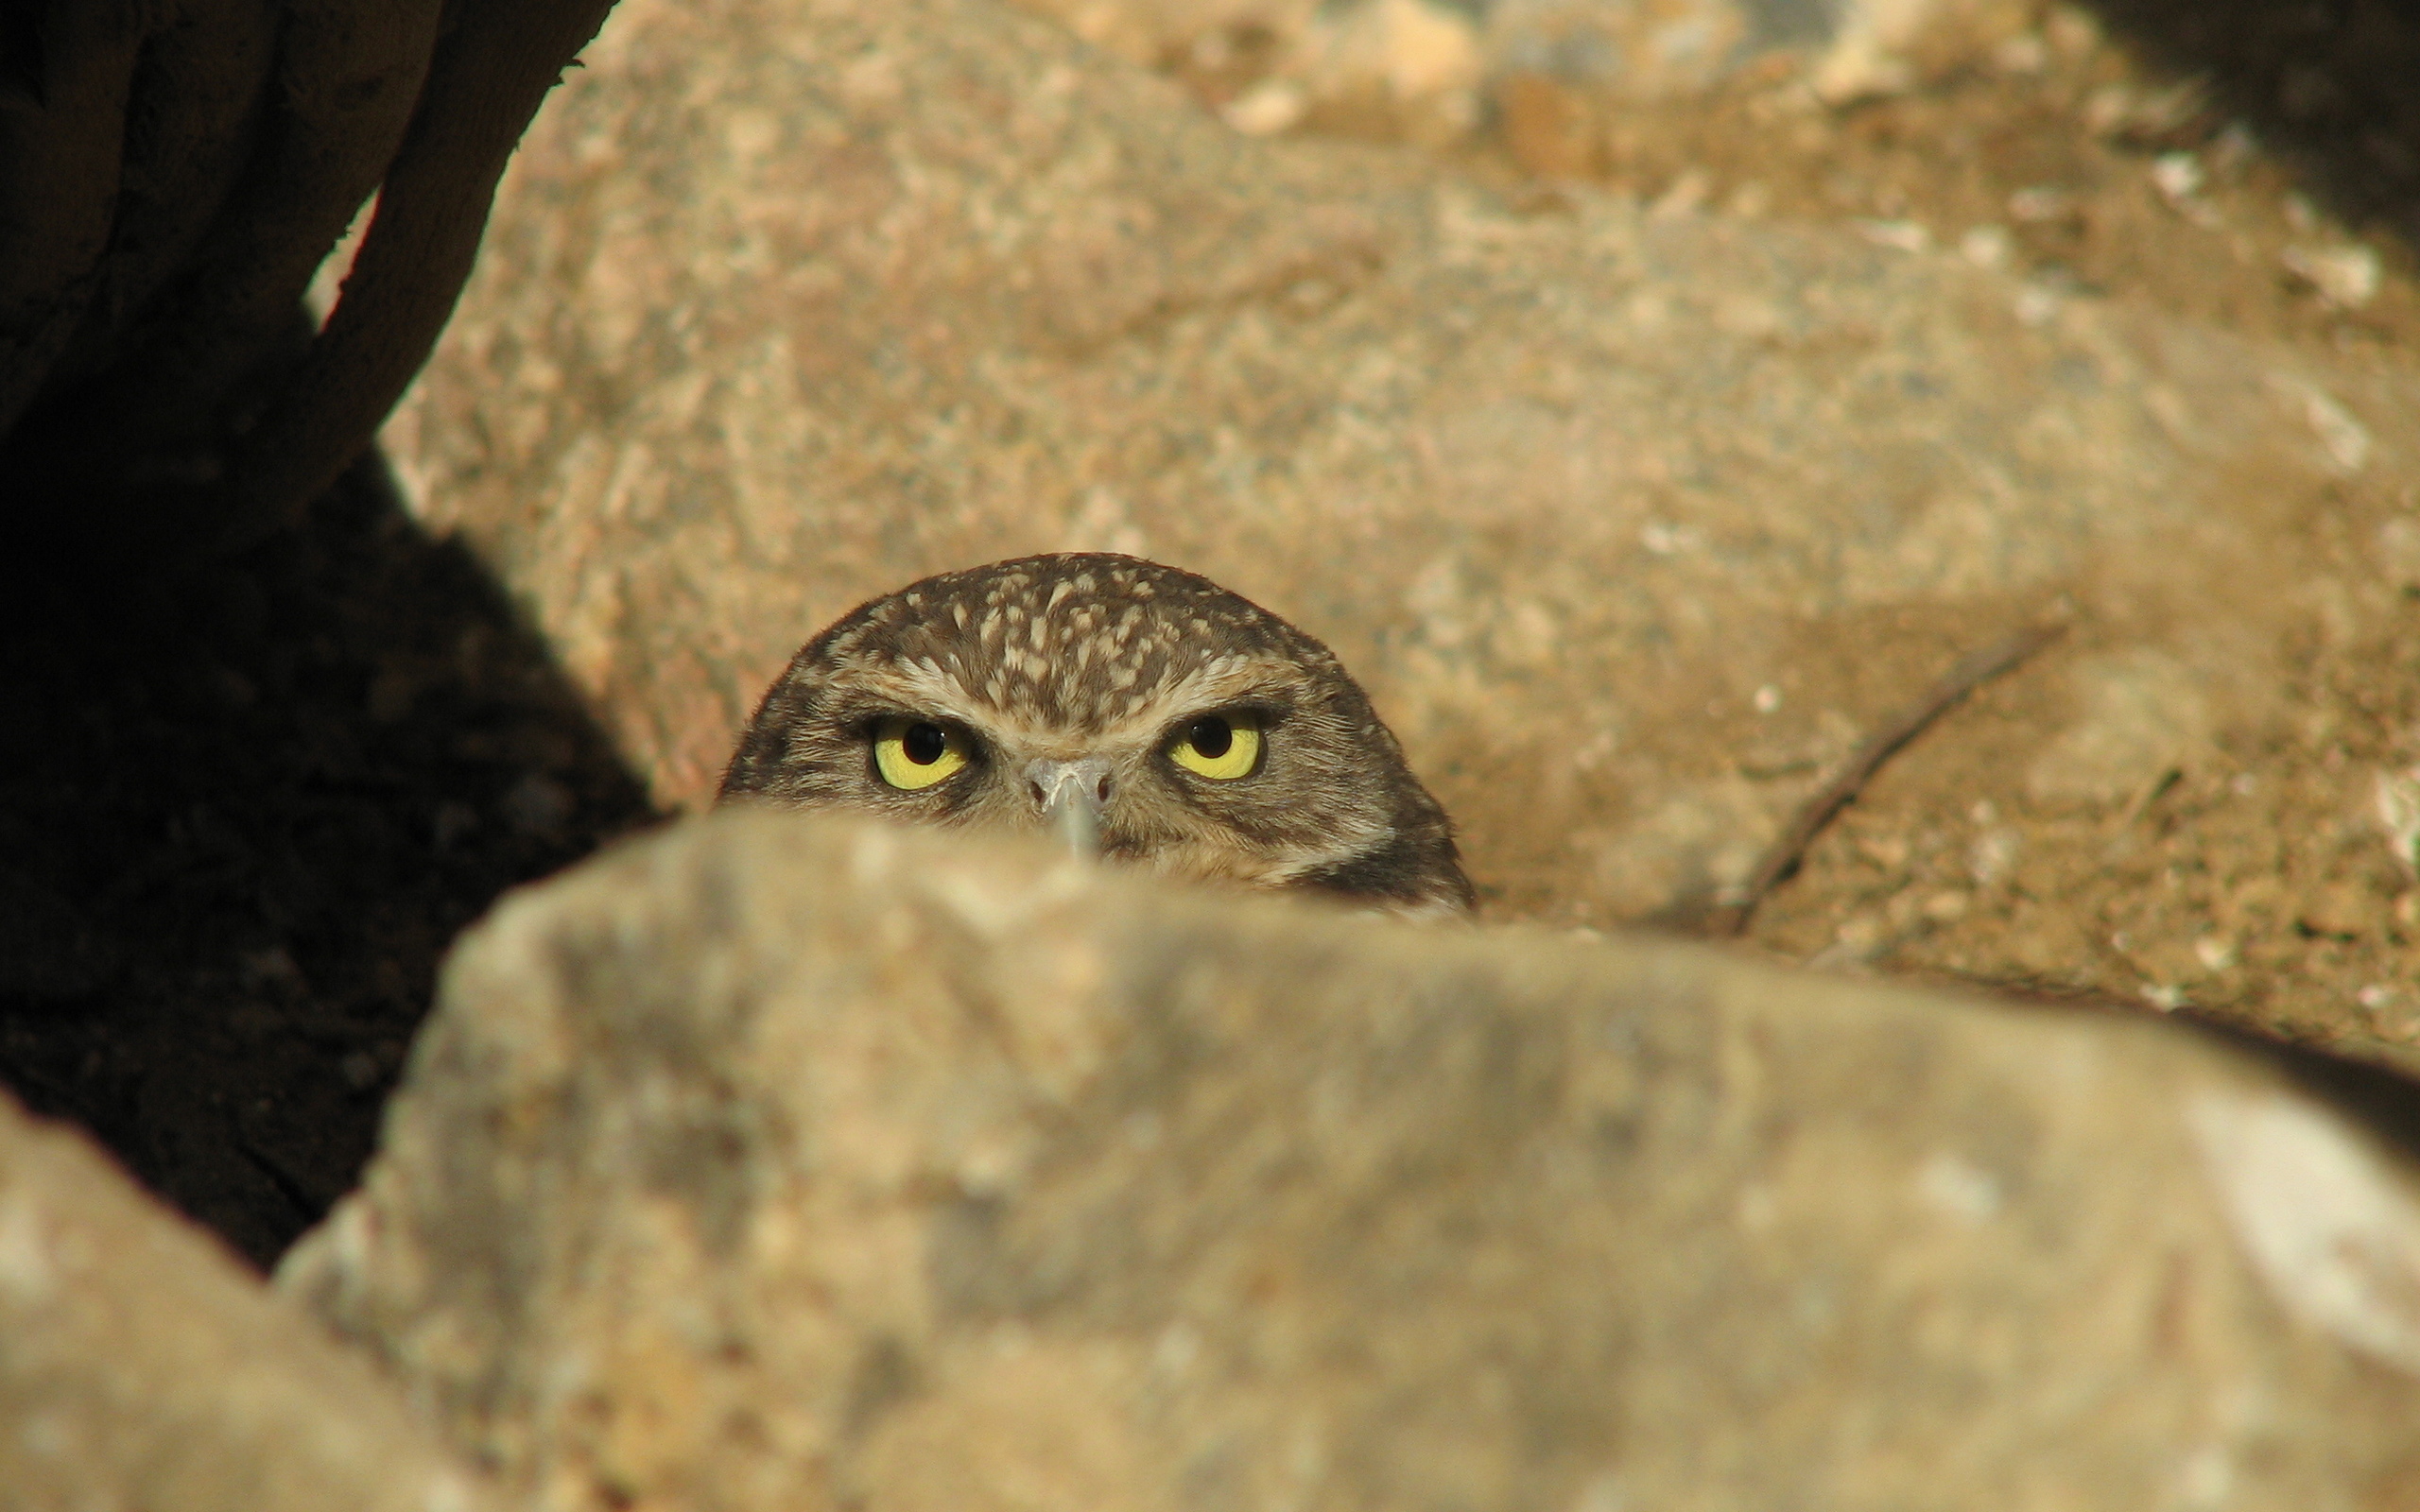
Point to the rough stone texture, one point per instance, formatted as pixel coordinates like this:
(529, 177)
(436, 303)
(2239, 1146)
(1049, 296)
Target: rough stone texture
(144, 1369)
(776, 1162)
(787, 304)
(1433, 57)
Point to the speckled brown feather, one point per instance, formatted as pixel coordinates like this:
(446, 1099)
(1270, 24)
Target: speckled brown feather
(1092, 655)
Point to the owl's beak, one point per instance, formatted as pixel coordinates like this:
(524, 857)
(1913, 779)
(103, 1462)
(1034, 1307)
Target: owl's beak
(1072, 794)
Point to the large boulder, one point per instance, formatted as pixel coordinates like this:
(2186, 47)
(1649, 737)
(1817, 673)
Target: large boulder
(1630, 522)
(781, 1162)
(143, 1369)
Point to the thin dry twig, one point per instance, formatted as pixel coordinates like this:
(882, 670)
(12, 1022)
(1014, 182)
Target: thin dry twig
(1738, 904)
(486, 80)
(348, 76)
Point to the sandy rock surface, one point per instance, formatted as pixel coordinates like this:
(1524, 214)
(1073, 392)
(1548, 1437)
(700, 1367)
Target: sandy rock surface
(143, 1367)
(1629, 523)
(1427, 70)
(778, 1162)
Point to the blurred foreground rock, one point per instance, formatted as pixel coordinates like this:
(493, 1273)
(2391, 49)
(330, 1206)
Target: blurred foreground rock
(144, 1369)
(1629, 521)
(777, 1163)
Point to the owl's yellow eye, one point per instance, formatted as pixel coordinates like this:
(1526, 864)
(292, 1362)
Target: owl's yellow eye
(1219, 747)
(913, 753)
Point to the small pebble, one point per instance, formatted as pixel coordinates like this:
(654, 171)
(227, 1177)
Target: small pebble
(1667, 540)
(2025, 53)
(2346, 277)
(2039, 203)
(1899, 235)
(1267, 109)
(1985, 246)
(2340, 909)
(2177, 175)
(1991, 855)
(1684, 196)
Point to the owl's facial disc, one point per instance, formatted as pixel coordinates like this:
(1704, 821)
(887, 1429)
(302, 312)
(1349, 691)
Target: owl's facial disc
(1136, 711)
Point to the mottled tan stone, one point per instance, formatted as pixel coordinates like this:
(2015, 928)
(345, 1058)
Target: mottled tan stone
(785, 305)
(781, 1162)
(1413, 54)
(143, 1369)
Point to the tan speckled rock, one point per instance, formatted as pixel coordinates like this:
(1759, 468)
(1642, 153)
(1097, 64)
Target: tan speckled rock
(782, 1163)
(144, 1369)
(1420, 55)
(785, 305)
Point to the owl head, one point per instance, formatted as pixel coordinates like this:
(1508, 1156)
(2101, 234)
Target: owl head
(1138, 712)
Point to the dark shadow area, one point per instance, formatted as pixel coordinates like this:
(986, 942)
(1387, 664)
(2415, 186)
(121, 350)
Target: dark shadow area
(2381, 1098)
(2332, 87)
(242, 814)
(2385, 1100)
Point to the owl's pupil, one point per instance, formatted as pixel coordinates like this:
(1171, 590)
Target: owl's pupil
(1211, 737)
(923, 744)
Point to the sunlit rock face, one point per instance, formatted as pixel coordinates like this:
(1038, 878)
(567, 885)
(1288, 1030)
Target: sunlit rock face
(1630, 522)
(776, 1161)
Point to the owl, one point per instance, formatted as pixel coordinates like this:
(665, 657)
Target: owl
(1138, 712)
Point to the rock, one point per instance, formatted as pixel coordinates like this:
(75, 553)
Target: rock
(855, 292)
(773, 1162)
(144, 1368)
(1887, 47)
(2398, 553)
(2144, 715)
(1432, 56)
(2344, 909)
(2346, 277)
